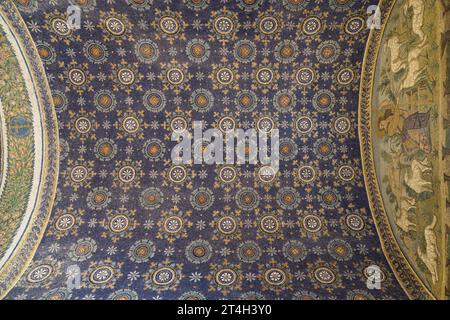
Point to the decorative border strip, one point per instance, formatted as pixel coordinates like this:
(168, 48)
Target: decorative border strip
(17, 264)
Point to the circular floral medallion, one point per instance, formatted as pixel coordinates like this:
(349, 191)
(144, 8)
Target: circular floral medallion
(305, 76)
(342, 125)
(269, 224)
(245, 51)
(202, 199)
(126, 76)
(267, 174)
(246, 101)
(142, 251)
(265, 124)
(119, 223)
(249, 252)
(225, 76)
(105, 101)
(57, 294)
(346, 173)
(154, 149)
(286, 51)
(226, 277)
(250, 5)
(39, 273)
(227, 174)
(311, 25)
(354, 25)
(324, 275)
(115, 26)
(345, 76)
(169, 25)
(164, 276)
(227, 124)
(79, 173)
(196, 5)
(199, 251)
(295, 251)
(83, 249)
(61, 27)
(99, 198)
(288, 149)
(328, 51)
(324, 149)
(178, 124)
(223, 25)
(355, 222)
(95, 51)
(77, 77)
(312, 223)
(324, 101)
(101, 275)
(154, 100)
(275, 277)
(151, 198)
(130, 124)
(146, 51)
(295, 5)
(247, 199)
(105, 149)
(306, 174)
(177, 174)
(340, 250)
(264, 76)
(192, 295)
(285, 100)
(175, 76)
(304, 124)
(198, 50)
(268, 25)
(288, 198)
(173, 224)
(46, 52)
(65, 222)
(59, 101)
(227, 225)
(202, 100)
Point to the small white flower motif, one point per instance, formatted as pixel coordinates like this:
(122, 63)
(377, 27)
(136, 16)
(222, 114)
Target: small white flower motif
(133, 276)
(299, 275)
(149, 224)
(200, 225)
(169, 251)
(92, 223)
(34, 27)
(195, 277)
(250, 276)
(111, 250)
(224, 252)
(65, 222)
(54, 247)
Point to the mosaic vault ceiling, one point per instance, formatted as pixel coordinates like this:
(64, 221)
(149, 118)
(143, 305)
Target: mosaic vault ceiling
(93, 204)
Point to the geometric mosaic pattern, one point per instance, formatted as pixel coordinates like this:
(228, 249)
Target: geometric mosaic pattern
(138, 226)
